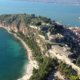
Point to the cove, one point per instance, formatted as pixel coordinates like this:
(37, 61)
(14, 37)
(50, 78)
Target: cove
(12, 57)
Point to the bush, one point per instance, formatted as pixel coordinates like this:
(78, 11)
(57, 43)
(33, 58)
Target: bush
(47, 66)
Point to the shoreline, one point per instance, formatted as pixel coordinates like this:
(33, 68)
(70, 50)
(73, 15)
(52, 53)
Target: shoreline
(31, 62)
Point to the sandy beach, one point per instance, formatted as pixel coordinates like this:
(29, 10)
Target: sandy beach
(31, 62)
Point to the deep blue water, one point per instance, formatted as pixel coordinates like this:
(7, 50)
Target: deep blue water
(66, 14)
(12, 57)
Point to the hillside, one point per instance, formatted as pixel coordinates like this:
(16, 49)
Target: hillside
(55, 47)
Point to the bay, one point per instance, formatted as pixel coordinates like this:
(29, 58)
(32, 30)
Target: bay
(12, 57)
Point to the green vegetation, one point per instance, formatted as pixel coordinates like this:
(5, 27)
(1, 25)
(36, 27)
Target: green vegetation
(34, 47)
(48, 65)
(78, 61)
(68, 72)
(25, 19)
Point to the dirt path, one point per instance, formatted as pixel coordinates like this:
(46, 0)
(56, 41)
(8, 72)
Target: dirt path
(58, 74)
(59, 54)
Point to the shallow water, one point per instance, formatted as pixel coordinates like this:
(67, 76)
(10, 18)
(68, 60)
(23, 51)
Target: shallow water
(12, 57)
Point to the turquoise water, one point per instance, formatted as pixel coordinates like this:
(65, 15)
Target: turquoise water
(12, 57)
(66, 14)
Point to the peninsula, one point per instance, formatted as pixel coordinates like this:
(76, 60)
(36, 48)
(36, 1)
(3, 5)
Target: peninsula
(52, 48)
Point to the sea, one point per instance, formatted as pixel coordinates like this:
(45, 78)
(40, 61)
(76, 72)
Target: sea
(66, 14)
(13, 57)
